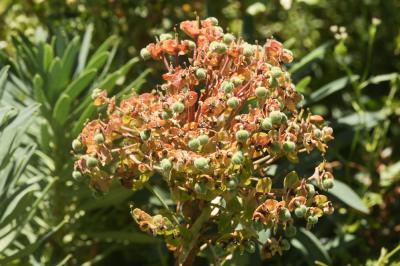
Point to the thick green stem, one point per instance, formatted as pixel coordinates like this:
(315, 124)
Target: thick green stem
(188, 253)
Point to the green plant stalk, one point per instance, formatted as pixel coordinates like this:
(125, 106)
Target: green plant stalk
(162, 201)
(186, 257)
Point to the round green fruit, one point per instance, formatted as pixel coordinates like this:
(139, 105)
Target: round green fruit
(99, 138)
(237, 158)
(266, 124)
(327, 183)
(242, 135)
(166, 165)
(312, 219)
(194, 144)
(261, 92)
(300, 211)
(227, 86)
(201, 73)
(178, 107)
(201, 163)
(228, 38)
(276, 117)
(233, 102)
(145, 54)
(91, 162)
(284, 215)
(203, 139)
(289, 146)
(77, 145)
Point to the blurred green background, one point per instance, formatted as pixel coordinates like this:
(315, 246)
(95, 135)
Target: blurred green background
(346, 65)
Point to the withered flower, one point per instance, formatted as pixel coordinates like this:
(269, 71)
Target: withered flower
(226, 111)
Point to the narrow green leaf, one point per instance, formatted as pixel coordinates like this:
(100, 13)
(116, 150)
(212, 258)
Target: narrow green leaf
(314, 248)
(85, 47)
(121, 236)
(38, 89)
(69, 59)
(54, 83)
(98, 61)
(106, 45)
(317, 53)
(329, 89)
(61, 109)
(3, 78)
(28, 250)
(344, 193)
(79, 84)
(302, 84)
(48, 56)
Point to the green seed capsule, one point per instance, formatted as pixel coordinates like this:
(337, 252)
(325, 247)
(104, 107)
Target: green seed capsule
(312, 219)
(237, 158)
(284, 215)
(276, 72)
(203, 139)
(99, 138)
(201, 73)
(248, 50)
(200, 188)
(242, 135)
(228, 38)
(285, 244)
(77, 175)
(76, 145)
(327, 183)
(191, 44)
(276, 117)
(165, 165)
(145, 54)
(91, 162)
(145, 134)
(201, 163)
(232, 183)
(233, 102)
(214, 21)
(178, 107)
(250, 246)
(261, 92)
(165, 36)
(291, 231)
(218, 47)
(300, 211)
(166, 115)
(236, 81)
(289, 146)
(194, 144)
(317, 133)
(227, 86)
(266, 124)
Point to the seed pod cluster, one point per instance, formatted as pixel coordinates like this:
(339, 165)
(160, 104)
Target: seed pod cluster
(226, 111)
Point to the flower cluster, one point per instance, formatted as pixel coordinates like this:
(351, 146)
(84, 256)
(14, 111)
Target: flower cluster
(227, 110)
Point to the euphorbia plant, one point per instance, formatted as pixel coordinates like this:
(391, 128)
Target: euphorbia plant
(226, 112)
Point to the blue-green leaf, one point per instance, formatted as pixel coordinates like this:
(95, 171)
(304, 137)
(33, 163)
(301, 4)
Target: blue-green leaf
(344, 193)
(311, 247)
(329, 89)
